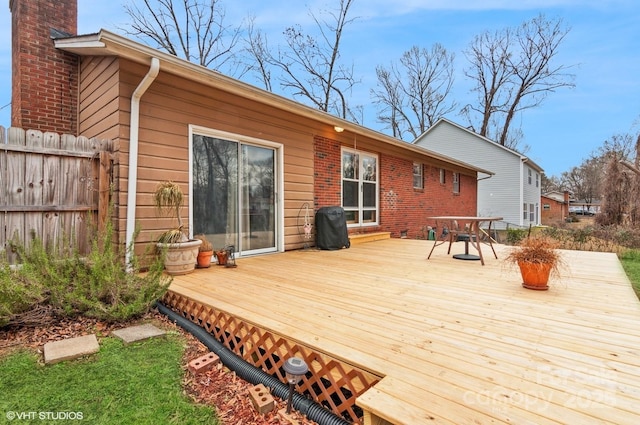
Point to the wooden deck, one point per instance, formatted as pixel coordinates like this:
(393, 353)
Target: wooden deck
(454, 342)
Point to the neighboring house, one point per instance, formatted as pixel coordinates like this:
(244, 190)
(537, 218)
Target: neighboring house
(512, 193)
(559, 196)
(582, 207)
(555, 207)
(255, 164)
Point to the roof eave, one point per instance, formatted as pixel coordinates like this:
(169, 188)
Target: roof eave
(106, 43)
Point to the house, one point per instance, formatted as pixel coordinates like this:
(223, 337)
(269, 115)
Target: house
(512, 193)
(555, 207)
(256, 165)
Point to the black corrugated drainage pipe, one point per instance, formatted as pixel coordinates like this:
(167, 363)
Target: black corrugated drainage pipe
(252, 374)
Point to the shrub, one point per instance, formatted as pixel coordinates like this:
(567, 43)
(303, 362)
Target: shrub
(98, 285)
(514, 235)
(17, 294)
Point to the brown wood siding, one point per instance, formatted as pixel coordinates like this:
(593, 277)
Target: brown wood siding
(99, 101)
(167, 109)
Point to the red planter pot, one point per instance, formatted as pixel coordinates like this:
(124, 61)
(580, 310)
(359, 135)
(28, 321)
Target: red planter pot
(535, 275)
(204, 259)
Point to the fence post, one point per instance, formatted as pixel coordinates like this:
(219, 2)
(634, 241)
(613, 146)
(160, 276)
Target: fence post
(104, 188)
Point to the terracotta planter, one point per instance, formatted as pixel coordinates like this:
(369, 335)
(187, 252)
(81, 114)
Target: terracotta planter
(222, 257)
(535, 275)
(204, 259)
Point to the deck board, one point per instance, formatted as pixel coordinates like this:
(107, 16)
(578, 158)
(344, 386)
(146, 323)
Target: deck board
(456, 342)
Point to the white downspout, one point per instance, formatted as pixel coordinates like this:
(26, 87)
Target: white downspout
(154, 69)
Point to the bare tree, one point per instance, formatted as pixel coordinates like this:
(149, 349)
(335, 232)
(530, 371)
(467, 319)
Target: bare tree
(389, 99)
(585, 181)
(622, 184)
(550, 184)
(309, 66)
(191, 29)
(616, 199)
(514, 70)
(413, 95)
(257, 49)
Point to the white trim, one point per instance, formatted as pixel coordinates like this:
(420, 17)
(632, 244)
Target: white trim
(361, 208)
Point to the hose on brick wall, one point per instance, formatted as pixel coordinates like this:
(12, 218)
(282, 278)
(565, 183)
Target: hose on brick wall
(252, 374)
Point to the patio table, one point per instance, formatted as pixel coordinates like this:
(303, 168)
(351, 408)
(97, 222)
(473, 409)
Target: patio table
(454, 224)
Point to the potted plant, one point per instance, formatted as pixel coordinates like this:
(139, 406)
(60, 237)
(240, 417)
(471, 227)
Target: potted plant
(538, 258)
(205, 252)
(221, 256)
(180, 251)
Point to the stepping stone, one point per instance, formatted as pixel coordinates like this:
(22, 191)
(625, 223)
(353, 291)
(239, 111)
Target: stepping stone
(70, 348)
(138, 333)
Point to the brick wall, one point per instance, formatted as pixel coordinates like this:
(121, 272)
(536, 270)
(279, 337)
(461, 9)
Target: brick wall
(402, 208)
(44, 80)
(555, 214)
(327, 177)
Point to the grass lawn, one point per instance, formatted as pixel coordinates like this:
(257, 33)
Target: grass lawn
(631, 263)
(134, 384)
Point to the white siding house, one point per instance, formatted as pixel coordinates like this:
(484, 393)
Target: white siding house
(513, 192)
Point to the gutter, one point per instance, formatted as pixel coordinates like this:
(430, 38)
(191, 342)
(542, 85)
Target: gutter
(134, 127)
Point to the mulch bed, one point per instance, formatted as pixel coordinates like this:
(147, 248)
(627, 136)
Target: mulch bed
(217, 387)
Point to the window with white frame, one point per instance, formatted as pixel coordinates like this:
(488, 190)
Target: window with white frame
(456, 182)
(525, 211)
(529, 171)
(418, 179)
(537, 180)
(532, 213)
(360, 187)
(443, 176)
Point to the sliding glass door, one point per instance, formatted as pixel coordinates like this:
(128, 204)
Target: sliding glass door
(234, 196)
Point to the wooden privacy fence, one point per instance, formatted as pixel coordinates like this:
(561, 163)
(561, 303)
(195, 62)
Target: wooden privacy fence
(52, 187)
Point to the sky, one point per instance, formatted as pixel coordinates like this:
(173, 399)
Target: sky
(602, 46)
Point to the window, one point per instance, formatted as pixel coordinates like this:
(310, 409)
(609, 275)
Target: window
(529, 170)
(532, 213)
(525, 211)
(537, 180)
(546, 207)
(456, 182)
(360, 187)
(443, 176)
(418, 181)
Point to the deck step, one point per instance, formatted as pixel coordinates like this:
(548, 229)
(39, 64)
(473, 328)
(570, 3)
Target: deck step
(368, 237)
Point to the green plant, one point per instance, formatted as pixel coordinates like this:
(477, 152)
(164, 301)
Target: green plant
(123, 384)
(515, 235)
(168, 200)
(630, 260)
(206, 245)
(17, 293)
(96, 285)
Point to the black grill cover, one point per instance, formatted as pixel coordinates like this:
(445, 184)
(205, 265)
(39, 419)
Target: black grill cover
(331, 228)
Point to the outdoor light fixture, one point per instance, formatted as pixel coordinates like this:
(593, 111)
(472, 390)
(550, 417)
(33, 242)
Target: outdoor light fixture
(294, 369)
(231, 257)
(338, 129)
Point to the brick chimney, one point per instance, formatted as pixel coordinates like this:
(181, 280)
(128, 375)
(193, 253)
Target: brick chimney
(44, 83)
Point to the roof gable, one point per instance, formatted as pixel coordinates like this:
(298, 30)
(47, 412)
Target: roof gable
(483, 139)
